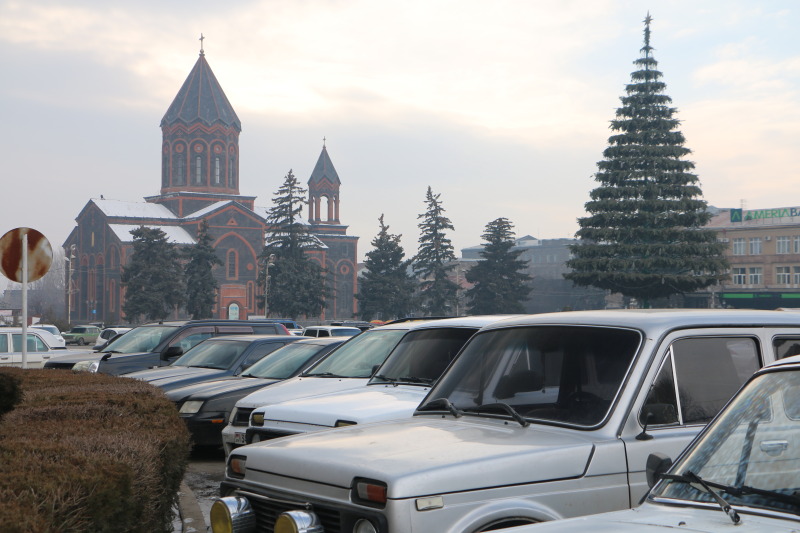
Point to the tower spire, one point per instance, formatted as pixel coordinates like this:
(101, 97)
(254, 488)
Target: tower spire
(202, 52)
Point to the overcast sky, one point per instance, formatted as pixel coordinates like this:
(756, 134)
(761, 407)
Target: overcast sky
(501, 106)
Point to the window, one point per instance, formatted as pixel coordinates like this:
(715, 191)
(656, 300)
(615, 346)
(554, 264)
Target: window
(739, 247)
(231, 172)
(739, 276)
(35, 344)
(783, 275)
(797, 244)
(755, 275)
(796, 280)
(198, 166)
(232, 270)
(191, 336)
(708, 372)
(3, 343)
(782, 245)
(216, 170)
(755, 246)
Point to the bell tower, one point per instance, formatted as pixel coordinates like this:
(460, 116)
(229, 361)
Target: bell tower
(323, 191)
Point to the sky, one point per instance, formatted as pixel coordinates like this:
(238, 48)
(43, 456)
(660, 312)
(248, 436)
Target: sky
(502, 107)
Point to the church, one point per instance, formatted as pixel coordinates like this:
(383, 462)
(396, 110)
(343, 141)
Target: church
(200, 182)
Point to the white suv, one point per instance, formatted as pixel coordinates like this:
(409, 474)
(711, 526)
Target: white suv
(40, 347)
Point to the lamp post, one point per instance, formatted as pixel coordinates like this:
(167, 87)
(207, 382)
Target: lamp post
(270, 262)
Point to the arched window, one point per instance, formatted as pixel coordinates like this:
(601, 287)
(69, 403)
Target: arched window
(216, 170)
(198, 169)
(179, 165)
(232, 266)
(232, 169)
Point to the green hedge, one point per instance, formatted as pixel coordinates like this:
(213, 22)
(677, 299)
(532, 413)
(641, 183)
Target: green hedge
(89, 452)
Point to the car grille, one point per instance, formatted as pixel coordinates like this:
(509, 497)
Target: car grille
(242, 417)
(65, 366)
(267, 511)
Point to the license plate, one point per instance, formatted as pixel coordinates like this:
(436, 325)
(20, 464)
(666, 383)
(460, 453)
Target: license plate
(239, 438)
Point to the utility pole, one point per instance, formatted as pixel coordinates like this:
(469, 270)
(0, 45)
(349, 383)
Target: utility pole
(70, 259)
(270, 262)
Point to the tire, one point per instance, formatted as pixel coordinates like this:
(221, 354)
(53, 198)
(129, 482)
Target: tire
(81, 342)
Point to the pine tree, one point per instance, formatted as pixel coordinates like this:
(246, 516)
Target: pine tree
(296, 281)
(644, 235)
(385, 290)
(153, 278)
(500, 283)
(434, 258)
(201, 285)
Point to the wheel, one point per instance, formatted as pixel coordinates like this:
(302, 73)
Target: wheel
(81, 342)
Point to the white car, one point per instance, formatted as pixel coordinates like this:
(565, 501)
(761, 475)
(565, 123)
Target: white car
(741, 474)
(395, 390)
(347, 367)
(58, 340)
(38, 351)
(330, 331)
(107, 335)
(540, 418)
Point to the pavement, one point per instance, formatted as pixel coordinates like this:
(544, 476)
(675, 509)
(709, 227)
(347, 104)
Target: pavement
(189, 516)
(199, 488)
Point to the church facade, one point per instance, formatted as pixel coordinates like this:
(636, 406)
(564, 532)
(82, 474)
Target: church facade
(200, 182)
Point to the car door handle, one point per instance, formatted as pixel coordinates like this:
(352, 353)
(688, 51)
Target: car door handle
(5, 357)
(774, 447)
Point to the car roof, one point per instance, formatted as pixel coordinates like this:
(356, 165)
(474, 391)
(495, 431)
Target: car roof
(246, 337)
(658, 319)
(475, 321)
(319, 340)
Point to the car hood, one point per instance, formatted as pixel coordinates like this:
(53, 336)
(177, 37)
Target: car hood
(174, 375)
(299, 387)
(75, 356)
(653, 518)
(217, 387)
(372, 403)
(425, 455)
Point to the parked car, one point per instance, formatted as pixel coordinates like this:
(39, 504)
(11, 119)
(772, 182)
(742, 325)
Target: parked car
(158, 344)
(107, 335)
(347, 367)
(293, 327)
(206, 406)
(394, 391)
(539, 418)
(330, 331)
(39, 348)
(214, 358)
(82, 335)
(58, 339)
(742, 473)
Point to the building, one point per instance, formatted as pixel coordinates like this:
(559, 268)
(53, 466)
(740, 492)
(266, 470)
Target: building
(763, 248)
(200, 182)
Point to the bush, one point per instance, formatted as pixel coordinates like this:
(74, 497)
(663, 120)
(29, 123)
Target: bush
(89, 452)
(10, 393)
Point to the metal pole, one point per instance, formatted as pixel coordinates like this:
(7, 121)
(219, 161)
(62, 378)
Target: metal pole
(24, 300)
(270, 263)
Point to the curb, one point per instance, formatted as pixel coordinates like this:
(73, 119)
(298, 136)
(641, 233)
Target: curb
(191, 516)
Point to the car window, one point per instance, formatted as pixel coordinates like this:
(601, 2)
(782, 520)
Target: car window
(422, 356)
(141, 339)
(35, 344)
(287, 361)
(190, 337)
(3, 343)
(220, 355)
(786, 347)
(260, 351)
(708, 371)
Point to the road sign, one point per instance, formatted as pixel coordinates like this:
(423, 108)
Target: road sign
(39, 259)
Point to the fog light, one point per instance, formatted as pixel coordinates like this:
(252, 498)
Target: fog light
(258, 419)
(364, 526)
(298, 522)
(232, 515)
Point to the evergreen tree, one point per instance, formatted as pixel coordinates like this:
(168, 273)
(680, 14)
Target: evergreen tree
(644, 235)
(386, 289)
(201, 285)
(500, 283)
(434, 258)
(296, 281)
(153, 278)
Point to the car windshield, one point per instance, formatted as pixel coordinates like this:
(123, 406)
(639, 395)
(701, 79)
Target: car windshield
(141, 339)
(51, 329)
(285, 362)
(360, 356)
(218, 353)
(750, 455)
(554, 374)
(422, 356)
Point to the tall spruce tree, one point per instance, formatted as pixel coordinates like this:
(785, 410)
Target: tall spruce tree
(201, 286)
(644, 235)
(434, 259)
(385, 290)
(153, 278)
(500, 283)
(296, 282)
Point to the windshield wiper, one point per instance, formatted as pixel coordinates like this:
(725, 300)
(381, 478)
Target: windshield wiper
(387, 379)
(505, 407)
(441, 402)
(738, 492)
(326, 375)
(414, 379)
(691, 477)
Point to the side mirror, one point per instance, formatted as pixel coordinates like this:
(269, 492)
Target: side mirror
(171, 352)
(657, 464)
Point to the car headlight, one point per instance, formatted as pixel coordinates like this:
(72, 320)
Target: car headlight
(191, 407)
(86, 366)
(298, 522)
(232, 514)
(364, 526)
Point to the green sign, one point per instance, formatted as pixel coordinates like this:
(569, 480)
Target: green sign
(739, 215)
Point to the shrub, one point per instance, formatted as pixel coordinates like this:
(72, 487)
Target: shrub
(10, 393)
(89, 452)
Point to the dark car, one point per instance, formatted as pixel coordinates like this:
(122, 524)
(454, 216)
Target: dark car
(159, 344)
(206, 406)
(219, 357)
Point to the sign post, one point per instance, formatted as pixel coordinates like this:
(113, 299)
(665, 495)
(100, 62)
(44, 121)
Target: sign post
(25, 256)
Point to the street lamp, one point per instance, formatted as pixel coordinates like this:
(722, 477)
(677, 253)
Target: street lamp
(270, 262)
